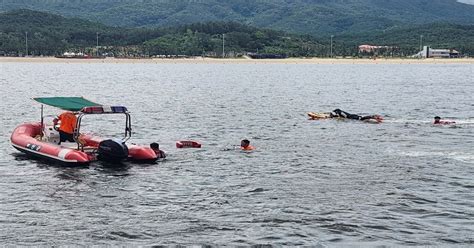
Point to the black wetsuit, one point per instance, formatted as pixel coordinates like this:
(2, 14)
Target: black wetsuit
(343, 114)
(160, 154)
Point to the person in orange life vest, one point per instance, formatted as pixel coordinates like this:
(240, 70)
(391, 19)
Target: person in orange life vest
(437, 120)
(67, 126)
(245, 145)
(156, 148)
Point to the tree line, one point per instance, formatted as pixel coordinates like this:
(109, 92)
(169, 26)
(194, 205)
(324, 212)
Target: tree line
(50, 35)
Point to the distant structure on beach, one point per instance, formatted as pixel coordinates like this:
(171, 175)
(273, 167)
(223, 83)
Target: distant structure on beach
(71, 55)
(79, 55)
(428, 52)
(371, 48)
(266, 56)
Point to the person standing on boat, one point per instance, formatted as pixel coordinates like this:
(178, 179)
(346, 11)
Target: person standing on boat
(66, 127)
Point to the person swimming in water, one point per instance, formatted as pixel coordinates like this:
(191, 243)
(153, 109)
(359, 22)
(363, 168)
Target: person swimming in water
(342, 114)
(156, 148)
(245, 145)
(438, 121)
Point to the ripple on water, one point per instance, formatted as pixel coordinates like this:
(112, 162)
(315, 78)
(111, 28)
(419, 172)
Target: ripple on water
(321, 183)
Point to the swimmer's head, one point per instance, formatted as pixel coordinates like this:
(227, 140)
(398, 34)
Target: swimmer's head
(244, 143)
(155, 146)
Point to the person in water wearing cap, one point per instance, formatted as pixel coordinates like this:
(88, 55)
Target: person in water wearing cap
(342, 114)
(245, 145)
(156, 148)
(66, 127)
(438, 121)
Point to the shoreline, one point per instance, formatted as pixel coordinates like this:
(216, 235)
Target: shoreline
(199, 60)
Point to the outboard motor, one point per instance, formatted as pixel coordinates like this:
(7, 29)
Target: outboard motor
(112, 150)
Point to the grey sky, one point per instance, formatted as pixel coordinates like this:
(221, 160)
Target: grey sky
(467, 1)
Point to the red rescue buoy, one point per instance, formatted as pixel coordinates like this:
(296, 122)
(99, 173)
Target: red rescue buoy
(187, 144)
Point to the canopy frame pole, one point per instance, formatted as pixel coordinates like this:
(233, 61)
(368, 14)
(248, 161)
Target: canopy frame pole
(77, 129)
(128, 127)
(42, 122)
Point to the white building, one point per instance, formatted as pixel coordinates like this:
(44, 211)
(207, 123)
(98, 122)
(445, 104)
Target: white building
(371, 48)
(428, 52)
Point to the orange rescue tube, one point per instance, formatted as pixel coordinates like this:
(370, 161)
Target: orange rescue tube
(188, 144)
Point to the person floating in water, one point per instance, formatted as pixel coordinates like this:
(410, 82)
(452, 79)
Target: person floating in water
(156, 148)
(245, 145)
(337, 113)
(438, 121)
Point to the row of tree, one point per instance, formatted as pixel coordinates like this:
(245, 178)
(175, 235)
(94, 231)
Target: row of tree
(315, 17)
(48, 34)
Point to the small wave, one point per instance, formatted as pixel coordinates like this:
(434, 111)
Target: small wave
(449, 240)
(417, 199)
(269, 238)
(429, 122)
(462, 185)
(459, 156)
(125, 235)
(407, 121)
(279, 221)
(297, 235)
(377, 227)
(257, 190)
(341, 227)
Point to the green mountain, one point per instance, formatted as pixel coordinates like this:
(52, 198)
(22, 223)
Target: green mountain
(50, 34)
(47, 33)
(315, 17)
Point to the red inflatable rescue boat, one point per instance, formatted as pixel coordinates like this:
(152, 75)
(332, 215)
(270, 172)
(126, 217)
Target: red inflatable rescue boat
(25, 138)
(41, 140)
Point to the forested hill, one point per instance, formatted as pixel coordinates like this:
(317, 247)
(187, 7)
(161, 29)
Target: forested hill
(315, 17)
(50, 34)
(436, 35)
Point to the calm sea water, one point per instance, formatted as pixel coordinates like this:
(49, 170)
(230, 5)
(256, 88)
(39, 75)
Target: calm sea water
(403, 182)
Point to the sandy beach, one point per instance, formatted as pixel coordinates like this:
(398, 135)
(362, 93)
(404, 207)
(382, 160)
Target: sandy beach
(199, 60)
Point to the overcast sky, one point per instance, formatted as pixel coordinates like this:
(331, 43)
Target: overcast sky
(467, 1)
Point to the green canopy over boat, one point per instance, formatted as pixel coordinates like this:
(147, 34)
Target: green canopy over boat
(67, 103)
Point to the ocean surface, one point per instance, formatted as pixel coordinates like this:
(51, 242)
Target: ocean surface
(324, 183)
